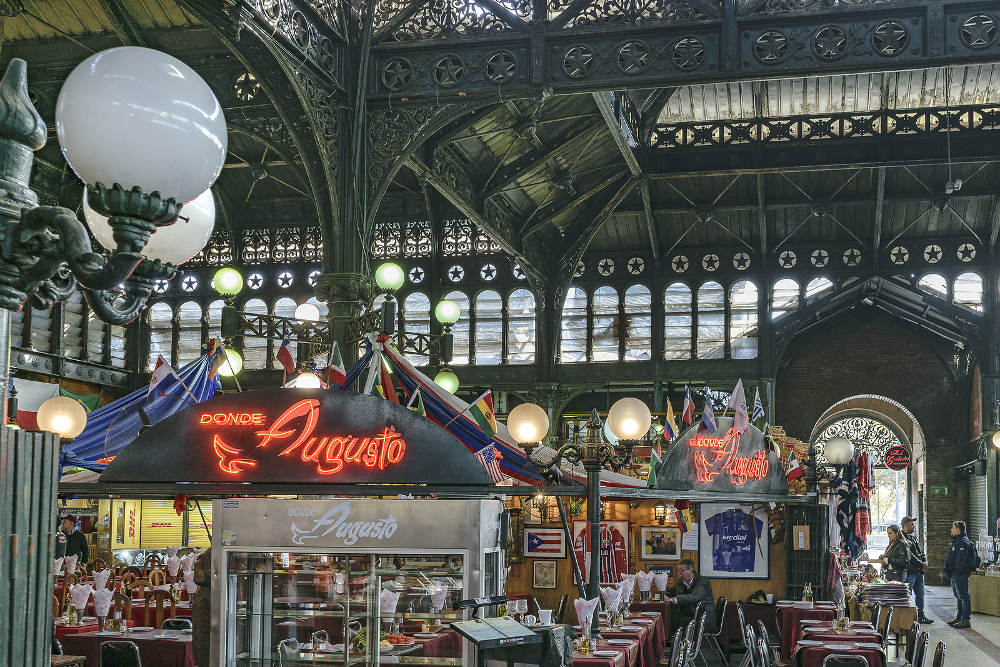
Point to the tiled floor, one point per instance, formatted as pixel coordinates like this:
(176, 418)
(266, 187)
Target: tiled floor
(977, 646)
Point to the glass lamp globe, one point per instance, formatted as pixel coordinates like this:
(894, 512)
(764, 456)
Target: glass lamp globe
(140, 117)
(175, 243)
(996, 439)
(629, 419)
(62, 415)
(232, 364)
(307, 312)
(308, 381)
(447, 380)
(389, 276)
(447, 312)
(227, 281)
(838, 451)
(528, 423)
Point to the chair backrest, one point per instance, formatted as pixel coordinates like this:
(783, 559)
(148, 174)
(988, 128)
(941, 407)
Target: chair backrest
(680, 659)
(721, 605)
(57, 648)
(81, 571)
(157, 577)
(56, 606)
(158, 598)
(121, 602)
(939, 655)
(763, 653)
(741, 615)
(119, 654)
(876, 615)
(675, 648)
(766, 638)
(152, 562)
(886, 626)
(128, 581)
(699, 634)
(176, 624)
(689, 630)
(750, 642)
(140, 587)
(919, 649)
(911, 641)
(560, 609)
(68, 580)
(97, 565)
(845, 660)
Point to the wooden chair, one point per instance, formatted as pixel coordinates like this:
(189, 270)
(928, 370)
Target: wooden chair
(128, 582)
(97, 565)
(153, 562)
(81, 571)
(142, 587)
(159, 597)
(56, 606)
(68, 580)
(157, 577)
(121, 602)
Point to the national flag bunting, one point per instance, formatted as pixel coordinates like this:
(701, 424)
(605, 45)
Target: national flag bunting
(416, 403)
(490, 457)
(482, 411)
(336, 373)
(708, 413)
(284, 356)
(758, 409)
(687, 411)
(655, 461)
(161, 372)
(669, 423)
(794, 469)
(738, 402)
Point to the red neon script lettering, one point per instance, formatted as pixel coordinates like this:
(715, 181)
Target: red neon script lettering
(228, 462)
(740, 469)
(232, 419)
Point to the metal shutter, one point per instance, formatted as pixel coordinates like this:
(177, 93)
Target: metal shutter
(977, 506)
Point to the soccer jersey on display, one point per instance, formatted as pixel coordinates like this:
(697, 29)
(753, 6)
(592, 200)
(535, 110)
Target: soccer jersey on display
(734, 540)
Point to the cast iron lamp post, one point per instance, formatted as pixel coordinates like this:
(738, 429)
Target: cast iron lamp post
(838, 452)
(528, 424)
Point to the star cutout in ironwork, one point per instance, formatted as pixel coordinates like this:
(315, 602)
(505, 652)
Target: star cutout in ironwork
(890, 38)
(488, 272)
(456, 273)
(284, 279)
(636, 265)
(189, 284)
(932, 254)
(578, 61)
(852, 256)
(518, 272)
(688, 53)
(830, 42)
(741, 261)
(819, 258)
(899, 255)
(680, 263)
(500, 67)
(606, 267)
(397, 74)
(710, 262)
(966, 252)
(771, 47)
(979, 30)
(160, 285)
(255, 281)
(633, 57)
(787, 259)
(448, 70)
(416, 275)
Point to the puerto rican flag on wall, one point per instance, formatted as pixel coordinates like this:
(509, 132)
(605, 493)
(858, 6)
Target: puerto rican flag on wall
(544, 542)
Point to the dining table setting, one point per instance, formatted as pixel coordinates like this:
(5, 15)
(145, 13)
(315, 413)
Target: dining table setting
(157, 648)
(639, 641)
(790, 617)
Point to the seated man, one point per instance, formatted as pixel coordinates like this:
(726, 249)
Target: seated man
(691, 588)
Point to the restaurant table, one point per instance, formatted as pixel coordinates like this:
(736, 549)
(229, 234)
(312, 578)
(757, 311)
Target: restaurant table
(139, 612)
(753, 612)
(69, 661)
(825, 632)
(447, 644)
(63, 630)
(985, 592)
(661, 606)
(813, 656)
(649, 652)
(789, 621)
(903, 616)
(173, 650)
(628, 656)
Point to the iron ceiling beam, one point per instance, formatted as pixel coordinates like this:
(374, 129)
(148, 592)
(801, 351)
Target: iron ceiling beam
(123, 23)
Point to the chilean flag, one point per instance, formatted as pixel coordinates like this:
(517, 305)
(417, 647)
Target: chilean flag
(544, 542)
(284, 356)
(687, 413)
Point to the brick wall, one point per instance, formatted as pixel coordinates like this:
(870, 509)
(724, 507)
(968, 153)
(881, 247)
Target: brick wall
(866, 352)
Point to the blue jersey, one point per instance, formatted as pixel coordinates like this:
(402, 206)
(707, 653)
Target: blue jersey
(734, 540)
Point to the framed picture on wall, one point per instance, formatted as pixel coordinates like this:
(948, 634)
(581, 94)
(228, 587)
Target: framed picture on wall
(544, 542)
(733, 542)
(543, 574)
(660, 543)
(614, 549)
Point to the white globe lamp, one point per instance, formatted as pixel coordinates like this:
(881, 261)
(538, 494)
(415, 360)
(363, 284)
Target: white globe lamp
(629, 419)
(838, 451)
(528, 423)
(232, 364)
(307, 312)
(308, 381)
(63, 416)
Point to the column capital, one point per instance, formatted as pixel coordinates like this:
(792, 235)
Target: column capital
(346, 293)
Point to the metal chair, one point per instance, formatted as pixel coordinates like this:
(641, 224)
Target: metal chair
(939, 655)
(689, 630)
(763, 652)
(119, 654)
(750, 659)
(911, 641)
(884, 628)
(845, 660)
(713, 637)
(699, 633)
(876, 614)
(675, 646)
(560, 609)
(919, 650)
(682, 655)
(287, 648)
(57, 648)
(773, 650)
(176, 624)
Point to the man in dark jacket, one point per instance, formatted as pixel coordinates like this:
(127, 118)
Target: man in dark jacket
(71, 542)
(691, 588)
(916, 567)
(961, 562)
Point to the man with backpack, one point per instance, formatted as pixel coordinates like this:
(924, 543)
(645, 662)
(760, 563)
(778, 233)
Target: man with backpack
(961, 562)
(916, 567)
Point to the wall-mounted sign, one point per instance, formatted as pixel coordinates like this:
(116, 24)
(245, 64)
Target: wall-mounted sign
(724, 461)
(897, 458)
(297, 435)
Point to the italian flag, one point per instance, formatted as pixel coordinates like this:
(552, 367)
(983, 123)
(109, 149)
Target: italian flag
(482, 411)
(794, 469)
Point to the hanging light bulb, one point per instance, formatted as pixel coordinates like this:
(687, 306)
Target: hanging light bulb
(232, 365)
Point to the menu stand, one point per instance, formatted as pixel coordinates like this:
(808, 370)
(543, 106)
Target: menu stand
(496, 638)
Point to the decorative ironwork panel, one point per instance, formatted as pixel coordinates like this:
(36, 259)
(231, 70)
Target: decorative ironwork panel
(306, 29)
(867, 434)
(396, 238)
(781, 6)
(637, 12)
(456, 239)
(281, 246)
(448, 18)
(218, 250)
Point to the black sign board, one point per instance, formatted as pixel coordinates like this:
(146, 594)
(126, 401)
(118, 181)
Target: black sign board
(500, 632)
(297, 435)
(897, 458)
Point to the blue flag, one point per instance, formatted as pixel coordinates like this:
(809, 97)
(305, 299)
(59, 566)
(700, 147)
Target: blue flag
(708, 413)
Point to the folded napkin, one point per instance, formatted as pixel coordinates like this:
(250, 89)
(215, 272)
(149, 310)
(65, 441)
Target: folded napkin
(438, 593)
(171, 551)
(70, 564)
(387, 601)
(626, 586)
(80, 594)
(612, 596)
(644, 580)
(57, 564)
(102, 601)
(173, 564)
(585, 610)
(101, 578)
(187, 562)
(199, 551)
(189, 582)
(660, 579)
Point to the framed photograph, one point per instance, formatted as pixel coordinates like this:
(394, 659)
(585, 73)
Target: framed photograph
(660, 543)
(733, 542)
(532, 514)
(614, 549)
(543, 574)
(544, 542)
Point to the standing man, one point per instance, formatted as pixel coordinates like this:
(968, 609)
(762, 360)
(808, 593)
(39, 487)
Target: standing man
(916, 567)
(691, 589)
(961, 562)
(71, 542)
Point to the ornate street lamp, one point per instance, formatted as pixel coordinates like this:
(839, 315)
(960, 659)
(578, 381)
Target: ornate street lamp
(838, 452)
(389, 277)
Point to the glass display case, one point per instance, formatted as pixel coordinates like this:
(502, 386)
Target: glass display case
(327, 596)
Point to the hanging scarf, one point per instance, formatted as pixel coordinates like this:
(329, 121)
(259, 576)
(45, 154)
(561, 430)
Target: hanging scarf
(847, 510)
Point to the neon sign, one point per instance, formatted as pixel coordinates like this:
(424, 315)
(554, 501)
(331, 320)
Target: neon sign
(715, 456)
(897, 458)
(327, 453)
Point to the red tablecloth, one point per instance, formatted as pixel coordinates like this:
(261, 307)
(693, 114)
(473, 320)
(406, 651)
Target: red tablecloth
(812, 656)
(154, 652)
(139, 612)
(789, 619)
(662, 607)
(447, 644)
(732, 633)
(849, 636)
(628, 656)
(64, 630)
(649, 655)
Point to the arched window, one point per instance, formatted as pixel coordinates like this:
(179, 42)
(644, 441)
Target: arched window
(521, 327)
(416, 320)
(711, 321)
(573, 339)
(189, 340)
(784, 298)
(818, 286)
(118, 335)
(96, 327)
(284, 307)
(677, 322)
(743, 320)
(160, 331)
(489, 328)
(461, 328)
(934, 283)
(638, 323)
(321, 306)
(73, 326)
(215, 318)
(606, 324)
(254, 349)
(968, 291)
